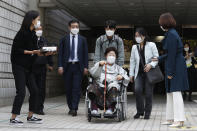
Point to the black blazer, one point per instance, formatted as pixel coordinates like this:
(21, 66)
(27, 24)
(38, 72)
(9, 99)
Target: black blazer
(64, 52)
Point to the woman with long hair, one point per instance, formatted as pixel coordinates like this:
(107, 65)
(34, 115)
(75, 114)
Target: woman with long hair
(23, 54)
(147, 50)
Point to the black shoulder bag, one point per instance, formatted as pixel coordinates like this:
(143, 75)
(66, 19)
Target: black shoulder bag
(154, 75)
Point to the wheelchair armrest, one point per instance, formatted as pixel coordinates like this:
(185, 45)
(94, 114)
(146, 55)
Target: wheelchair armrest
(90, 79)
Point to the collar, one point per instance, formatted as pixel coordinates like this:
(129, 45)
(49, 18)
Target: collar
(110, 66)
(144, 44)
(106, 39)
(73, 35)
(169, 30)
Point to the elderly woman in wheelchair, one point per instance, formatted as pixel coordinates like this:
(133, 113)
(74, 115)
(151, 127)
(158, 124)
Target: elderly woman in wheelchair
(109, 79)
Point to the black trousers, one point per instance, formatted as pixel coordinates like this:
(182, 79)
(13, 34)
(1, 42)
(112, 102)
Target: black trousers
(191, 79)
(73, 79)
(22, 78)
(40, 78)
(143, 104)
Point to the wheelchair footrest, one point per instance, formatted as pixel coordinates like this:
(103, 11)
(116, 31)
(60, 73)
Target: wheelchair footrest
(96, 115)
(110, 115)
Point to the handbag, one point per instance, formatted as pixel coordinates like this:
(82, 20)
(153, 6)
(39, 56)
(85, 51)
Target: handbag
(154, 75)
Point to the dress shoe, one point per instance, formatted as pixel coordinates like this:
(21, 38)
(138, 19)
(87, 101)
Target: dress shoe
(74, 113)
(146, 117)
(70, 112)
(177, 124)
(138, 115)
(168, 122)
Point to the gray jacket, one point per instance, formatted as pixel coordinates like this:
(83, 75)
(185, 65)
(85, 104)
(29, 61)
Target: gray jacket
(102, 43)
(98, 73)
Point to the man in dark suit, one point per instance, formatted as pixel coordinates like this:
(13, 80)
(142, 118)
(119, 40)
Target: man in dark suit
(73, 63)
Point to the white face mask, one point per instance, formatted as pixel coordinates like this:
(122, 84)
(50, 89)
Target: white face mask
(162, 28)
(39, 33)
(139, 40)
(37, 25)
(74, 31)
(186, 49)
(111, 59)
(109, 32)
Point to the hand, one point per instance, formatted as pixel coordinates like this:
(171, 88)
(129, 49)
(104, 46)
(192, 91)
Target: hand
(49, 53)
(132, 79)
(187, 56)
(187, 53)
(50, 68)
(54, 53)
(119, 77)
(147, 67)
(170, 77)
(101, 63)
(155, 59)
(36, 52)
(60, 70)
(40, 54)
(85, 71)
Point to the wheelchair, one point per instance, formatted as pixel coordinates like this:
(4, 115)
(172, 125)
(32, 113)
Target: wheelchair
(120, 110)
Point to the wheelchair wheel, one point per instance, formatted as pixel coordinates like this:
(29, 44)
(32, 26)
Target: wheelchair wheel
(87, 108)
(89, 118)
(124, 105)
(123, 113)
(119, 115)
(89, 115)
(86, 105)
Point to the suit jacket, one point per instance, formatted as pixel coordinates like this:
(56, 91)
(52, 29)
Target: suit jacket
(64, 52)
(150, 52)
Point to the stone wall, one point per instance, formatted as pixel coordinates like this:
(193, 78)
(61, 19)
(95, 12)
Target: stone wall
(11, 16)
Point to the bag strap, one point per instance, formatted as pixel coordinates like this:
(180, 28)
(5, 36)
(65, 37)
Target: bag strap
(141, 59)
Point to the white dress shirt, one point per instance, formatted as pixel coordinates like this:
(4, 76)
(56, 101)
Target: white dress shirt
(76, 47)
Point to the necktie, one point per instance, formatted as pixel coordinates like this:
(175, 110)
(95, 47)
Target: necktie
(72, 52)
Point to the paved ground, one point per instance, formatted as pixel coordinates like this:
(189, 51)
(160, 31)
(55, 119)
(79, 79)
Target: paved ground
(56, 118)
